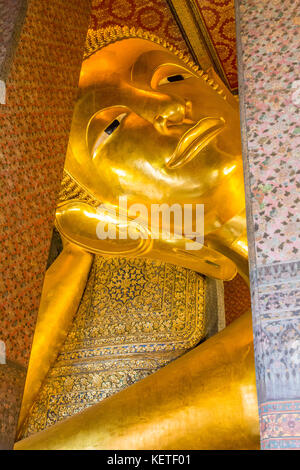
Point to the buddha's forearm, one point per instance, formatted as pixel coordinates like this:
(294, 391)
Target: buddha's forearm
(63, 287)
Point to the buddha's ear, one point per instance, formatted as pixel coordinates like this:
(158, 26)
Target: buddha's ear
(97, 230)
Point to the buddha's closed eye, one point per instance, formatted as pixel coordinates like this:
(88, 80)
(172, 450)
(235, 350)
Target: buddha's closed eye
(106, 133)
(175, 78)
(178, 77)
(167, 75)
(112, 127)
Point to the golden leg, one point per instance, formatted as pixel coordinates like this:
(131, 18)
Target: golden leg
(204, 400)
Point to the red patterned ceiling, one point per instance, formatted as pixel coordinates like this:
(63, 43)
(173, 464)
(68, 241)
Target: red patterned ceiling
(213, 18)
(218, 17)
(154, 16)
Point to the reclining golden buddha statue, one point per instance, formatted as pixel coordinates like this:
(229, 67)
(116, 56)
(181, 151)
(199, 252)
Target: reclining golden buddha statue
(150, 127)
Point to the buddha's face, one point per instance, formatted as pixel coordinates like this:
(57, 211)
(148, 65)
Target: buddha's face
(148, 127)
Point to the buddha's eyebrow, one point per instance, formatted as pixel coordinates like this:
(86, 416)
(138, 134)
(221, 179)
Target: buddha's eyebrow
(143, 68)
(99, 99)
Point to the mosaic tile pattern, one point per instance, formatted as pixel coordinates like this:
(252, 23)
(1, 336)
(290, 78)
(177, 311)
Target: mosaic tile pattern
(273, 133)
(12, 380)
(280, 425)
(268, 53)
(34, 123)
(277, 333)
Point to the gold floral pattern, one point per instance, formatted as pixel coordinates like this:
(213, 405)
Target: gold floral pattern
(135, 317)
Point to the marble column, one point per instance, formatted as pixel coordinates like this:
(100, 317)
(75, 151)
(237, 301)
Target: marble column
(269, 88)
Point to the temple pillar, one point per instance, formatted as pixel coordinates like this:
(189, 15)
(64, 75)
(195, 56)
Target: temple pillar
(267, 38)
(35, 121)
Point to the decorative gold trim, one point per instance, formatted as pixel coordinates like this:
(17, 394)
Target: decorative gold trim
(208, 42)
(192, 26)
(187, 24)
(102, 37)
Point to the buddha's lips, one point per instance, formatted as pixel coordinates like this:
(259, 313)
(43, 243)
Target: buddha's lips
(195, 140)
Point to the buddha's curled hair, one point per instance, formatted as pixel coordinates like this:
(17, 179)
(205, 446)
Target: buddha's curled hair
(70, 189)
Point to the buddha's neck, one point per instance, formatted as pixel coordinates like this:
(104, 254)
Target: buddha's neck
(231, 241)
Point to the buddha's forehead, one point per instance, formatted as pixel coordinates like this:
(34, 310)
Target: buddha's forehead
(124, 60)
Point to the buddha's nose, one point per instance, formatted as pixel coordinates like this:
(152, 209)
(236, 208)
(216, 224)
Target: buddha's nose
(171, 115)
(163, 111)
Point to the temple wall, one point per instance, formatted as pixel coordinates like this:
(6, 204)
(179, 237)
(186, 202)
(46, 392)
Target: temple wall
(268, 37)
(35, 122)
